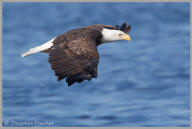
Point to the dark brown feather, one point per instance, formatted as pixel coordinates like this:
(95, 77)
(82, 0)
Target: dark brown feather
(75, 57)
(128, 29)
(111, 27)
(123, 27)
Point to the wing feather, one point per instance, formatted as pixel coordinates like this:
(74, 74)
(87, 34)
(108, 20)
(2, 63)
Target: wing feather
(75, 60)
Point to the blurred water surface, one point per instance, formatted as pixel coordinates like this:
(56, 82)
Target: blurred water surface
(142, 83)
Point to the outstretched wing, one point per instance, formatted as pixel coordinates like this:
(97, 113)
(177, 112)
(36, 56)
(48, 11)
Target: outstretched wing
(77, 60)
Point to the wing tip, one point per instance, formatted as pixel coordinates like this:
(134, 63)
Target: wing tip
(24, 54)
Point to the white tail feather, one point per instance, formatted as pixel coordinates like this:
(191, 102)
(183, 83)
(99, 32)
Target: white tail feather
(37, 49)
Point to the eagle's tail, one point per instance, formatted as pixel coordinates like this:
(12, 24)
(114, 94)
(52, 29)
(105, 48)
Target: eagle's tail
(42, 48)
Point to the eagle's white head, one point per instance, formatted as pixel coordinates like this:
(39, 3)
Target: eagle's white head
(113, 35)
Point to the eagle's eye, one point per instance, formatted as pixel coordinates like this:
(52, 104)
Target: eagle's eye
(120, 34)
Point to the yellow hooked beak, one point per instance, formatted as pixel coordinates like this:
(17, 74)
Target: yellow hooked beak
(125, 37)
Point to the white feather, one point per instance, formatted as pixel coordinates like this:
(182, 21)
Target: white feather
(37, 49)
(110, 35)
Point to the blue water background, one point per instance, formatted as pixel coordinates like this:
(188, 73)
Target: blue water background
(142, 83)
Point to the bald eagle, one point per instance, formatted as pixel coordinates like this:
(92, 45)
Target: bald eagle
(74, 56)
